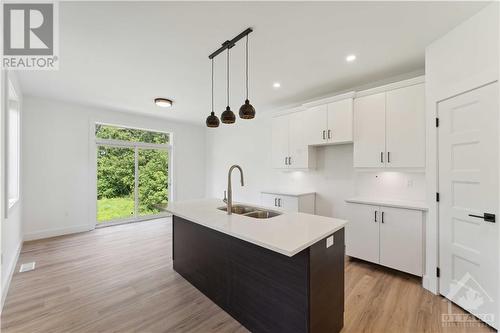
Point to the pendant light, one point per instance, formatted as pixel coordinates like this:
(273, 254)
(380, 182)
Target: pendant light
(228, 116)
(212, 120)
(247, 111)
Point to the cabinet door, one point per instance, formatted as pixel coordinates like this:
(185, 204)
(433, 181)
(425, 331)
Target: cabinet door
(362, 232)
(280, 129)
(315, 125)
(405, 127)
(401, 239)
(269, 200)
(298, 147)
(288, 203)
(369, 131)
(340, 121)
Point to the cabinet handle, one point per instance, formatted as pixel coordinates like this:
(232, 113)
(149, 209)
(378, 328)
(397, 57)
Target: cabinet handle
(388, 157)
(279, 202)
(324, 135)
(289, 161)
(375, 216)
(275, 202)
(329, 134)
(286, 159)
(381, 157)
(382, 217)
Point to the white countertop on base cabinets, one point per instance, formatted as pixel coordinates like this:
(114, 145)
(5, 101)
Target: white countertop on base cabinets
(407, 204)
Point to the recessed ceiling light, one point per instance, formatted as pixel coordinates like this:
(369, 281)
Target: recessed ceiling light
(276, 85)
(163, 102)
(350, 58)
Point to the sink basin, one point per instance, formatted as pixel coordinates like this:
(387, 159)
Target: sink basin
(239, 209)
(250, 211)
(262, 214)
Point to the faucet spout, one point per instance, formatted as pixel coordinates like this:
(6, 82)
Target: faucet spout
(229, 200)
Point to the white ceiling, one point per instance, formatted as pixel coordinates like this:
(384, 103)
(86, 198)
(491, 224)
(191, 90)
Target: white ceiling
(121, 55)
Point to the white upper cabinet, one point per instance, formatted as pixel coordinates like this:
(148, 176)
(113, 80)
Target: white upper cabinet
(389, 129)
(369, 131)
(289, 147)
(329, 123)
(340, 116)
(315, 124)
(405, 127)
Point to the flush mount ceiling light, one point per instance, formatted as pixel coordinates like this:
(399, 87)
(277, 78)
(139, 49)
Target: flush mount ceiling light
(247, 111)
(276, 85)
(163, 102)
(212, 120)
(350, 58)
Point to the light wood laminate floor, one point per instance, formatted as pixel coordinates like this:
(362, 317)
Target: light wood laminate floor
(120, 279)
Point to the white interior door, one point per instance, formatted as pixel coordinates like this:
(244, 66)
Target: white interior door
(369, 131)
(340, 121)
(468, 186)
(405, 127)
(280, 129)
(362, 232)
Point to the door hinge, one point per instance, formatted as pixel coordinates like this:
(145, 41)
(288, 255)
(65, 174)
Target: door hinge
(437, 196)
(438, 272)
(437, 122)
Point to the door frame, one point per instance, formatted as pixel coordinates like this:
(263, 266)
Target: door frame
(95, 142)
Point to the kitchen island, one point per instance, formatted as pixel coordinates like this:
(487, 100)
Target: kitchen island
(280, 274)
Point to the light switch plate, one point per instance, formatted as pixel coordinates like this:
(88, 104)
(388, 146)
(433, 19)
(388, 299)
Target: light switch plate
(329, 241)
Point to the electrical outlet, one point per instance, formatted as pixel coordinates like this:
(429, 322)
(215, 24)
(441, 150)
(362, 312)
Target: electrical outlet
(329, 241)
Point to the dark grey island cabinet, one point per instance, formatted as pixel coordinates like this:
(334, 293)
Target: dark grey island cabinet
(264, 290)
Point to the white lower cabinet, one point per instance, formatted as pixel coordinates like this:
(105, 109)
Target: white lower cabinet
(387, 236)
(304, 203)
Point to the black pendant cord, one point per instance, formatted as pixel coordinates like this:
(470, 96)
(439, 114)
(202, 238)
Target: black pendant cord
(246, 66)
(212, 85)
(227, 77)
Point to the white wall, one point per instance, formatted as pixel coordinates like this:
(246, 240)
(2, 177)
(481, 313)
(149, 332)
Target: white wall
(59, 178)
(465, 58)
(11, 227)
(248, 143)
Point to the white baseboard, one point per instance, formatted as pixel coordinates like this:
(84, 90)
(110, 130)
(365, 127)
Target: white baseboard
(56, 232)
(11, 269)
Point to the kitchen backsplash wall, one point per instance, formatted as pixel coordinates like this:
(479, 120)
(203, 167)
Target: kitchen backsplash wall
(248, 143)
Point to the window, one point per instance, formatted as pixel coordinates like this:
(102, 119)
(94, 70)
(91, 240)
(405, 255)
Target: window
(13, 146)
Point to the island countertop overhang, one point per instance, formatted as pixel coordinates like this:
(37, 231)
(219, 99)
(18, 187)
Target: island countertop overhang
(287, 234)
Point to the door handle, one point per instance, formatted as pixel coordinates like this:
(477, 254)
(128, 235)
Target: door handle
(381, 157)
(329, 134)
(488, 217)
(324, 135)
(375, 216)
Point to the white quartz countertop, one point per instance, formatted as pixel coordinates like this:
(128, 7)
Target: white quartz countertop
(407, 204)
(287, 234)
(288, 193)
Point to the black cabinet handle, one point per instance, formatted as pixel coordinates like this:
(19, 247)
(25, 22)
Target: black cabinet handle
(381, 157)
(324, 134)
(375, 216)
(382, 217)
(488, 217)
(275, 202)
(329, 134)
(279, 202)
(289, 160)
(286, 161)
(388, 157)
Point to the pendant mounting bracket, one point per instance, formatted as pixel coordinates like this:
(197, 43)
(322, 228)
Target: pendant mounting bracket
(228, 44)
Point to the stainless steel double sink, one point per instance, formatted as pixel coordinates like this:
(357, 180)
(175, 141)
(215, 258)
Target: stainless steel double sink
(250, 211)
